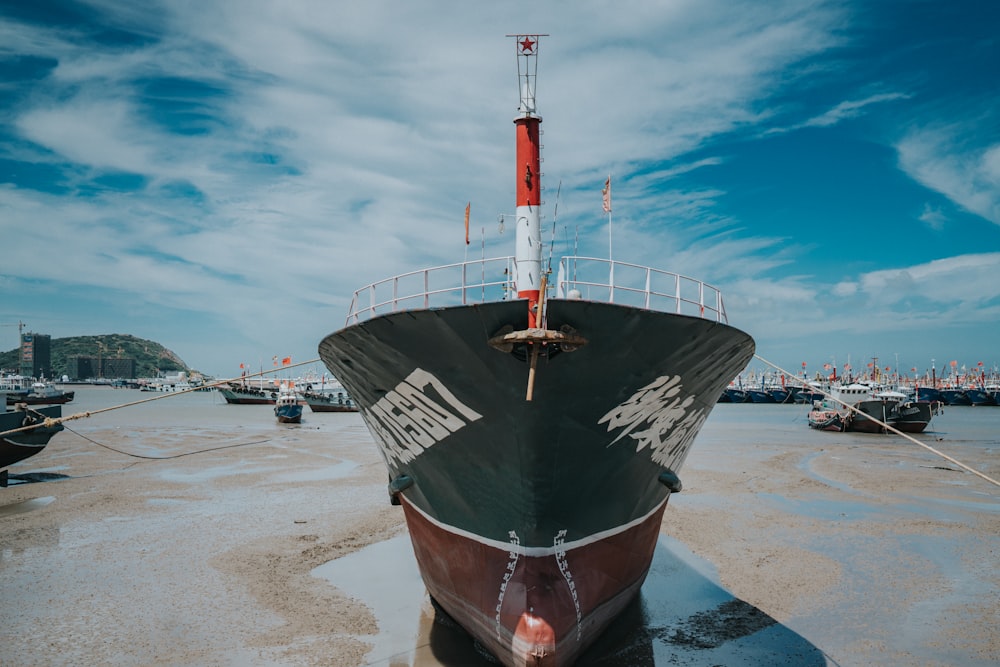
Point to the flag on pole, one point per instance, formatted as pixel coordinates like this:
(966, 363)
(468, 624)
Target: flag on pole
(286, 361)
(606, 192)
(467, 207)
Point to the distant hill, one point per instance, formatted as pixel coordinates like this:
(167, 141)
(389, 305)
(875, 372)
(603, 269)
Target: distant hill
(150, 357)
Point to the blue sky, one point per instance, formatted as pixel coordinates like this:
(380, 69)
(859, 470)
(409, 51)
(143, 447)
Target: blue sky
(221, 175)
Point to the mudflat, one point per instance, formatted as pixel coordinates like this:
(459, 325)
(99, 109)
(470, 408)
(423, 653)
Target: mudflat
(851, 549)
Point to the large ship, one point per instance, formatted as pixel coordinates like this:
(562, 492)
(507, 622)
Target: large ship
(534, 427)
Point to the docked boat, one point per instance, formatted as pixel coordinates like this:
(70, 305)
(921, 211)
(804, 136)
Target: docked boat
(811, 391)
(868, 416)
(533, 440)
(979, 396)
(240, 393)
(736, 395)
(781, 395)
(912, 416)
(287, 409)
(41, 393)
(955, 396)
(927, 395)
(17, 445)
(329, 401)
(828, 419)
(891, 408)
(760, 395)
(994, 392)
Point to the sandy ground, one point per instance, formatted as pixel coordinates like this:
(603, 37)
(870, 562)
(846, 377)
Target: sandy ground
(867, 551)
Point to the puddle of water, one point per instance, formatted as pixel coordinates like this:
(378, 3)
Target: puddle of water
(395, 593)
(683, 616)
(209, 474)
(820, 508)
(166, 501)
(338, 471)
(25, 506)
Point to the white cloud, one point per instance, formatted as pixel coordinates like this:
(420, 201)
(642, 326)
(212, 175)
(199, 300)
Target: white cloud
(383, 120)
(940, 158)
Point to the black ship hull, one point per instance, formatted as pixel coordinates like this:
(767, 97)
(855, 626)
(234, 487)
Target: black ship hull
(20, 445)
(558, 498)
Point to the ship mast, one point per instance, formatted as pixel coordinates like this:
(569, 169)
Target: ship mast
(528, 256)
(529, 280)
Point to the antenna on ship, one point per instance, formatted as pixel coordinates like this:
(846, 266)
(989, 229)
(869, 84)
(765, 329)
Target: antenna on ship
(555, 218)
(528, 278)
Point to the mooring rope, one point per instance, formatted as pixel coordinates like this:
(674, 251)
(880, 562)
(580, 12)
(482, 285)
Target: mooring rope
(52, 421)
(172, 456)
(968, 468)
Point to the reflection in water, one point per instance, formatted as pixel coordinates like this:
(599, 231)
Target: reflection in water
(682, 617)
(25, 506)
(32, 477)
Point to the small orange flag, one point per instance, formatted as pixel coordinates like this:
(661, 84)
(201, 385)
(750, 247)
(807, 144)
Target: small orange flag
(467, 208)
(286, 361)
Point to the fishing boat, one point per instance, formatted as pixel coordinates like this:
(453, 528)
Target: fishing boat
(42, 393)
(979, 396)
(828, 419)
(955, 396)
(329, 401)
(912, 416)
(534, 439)
(241, 393)
(287, 408)
(890, 408)
(17, 445)
(736, 395)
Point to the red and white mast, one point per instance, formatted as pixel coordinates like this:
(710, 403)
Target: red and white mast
(528, 255)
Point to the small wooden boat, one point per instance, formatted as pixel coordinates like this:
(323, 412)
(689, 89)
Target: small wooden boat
(287, 408)
(827, 420)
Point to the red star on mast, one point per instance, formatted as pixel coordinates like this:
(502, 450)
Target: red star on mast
(527, 44)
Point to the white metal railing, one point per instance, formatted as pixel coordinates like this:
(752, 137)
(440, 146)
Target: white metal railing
(477, 281)
(587, 278)
(596, 279)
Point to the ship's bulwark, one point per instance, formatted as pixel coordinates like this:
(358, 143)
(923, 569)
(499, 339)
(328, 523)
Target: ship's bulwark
(555, 502)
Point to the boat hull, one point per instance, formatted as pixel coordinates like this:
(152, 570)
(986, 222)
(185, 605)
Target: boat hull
(827, 420)
(867, 415)
(248, 396)
(591, 456)
(288, 414)
(955, 397)
(979, 397)
(569, 591)
(912, 417)
(18, 446)
(58, 398)
(329, 402)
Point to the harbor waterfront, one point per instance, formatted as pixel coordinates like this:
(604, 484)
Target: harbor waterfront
(187, 531)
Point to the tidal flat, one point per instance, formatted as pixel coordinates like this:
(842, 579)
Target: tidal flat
(186, 531)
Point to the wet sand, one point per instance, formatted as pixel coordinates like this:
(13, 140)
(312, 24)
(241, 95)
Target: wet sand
(787, 546)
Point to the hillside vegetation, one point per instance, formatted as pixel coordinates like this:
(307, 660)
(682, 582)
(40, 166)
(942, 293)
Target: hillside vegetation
(150, 357)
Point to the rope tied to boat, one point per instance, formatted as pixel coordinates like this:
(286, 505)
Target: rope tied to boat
(888, 427)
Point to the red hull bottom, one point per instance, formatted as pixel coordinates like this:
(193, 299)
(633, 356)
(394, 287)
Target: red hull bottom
(529, 609)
